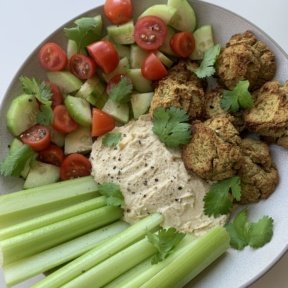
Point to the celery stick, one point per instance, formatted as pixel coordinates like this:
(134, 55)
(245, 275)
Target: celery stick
(114, 266)
(38, 240)
(199, 254)
(100, 253)
(52, 217)
(28, 267)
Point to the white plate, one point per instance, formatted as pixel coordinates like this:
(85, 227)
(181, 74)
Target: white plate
(235, 269)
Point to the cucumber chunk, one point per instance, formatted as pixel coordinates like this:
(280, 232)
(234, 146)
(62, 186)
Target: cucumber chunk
(56, 137)
(203, 41)
(66, 81)
(41, 174)
(140, 103)
(79, 110)
(72, 49)
(164, 59)
(119, 112)
(122, 68)
(137, 56)
(140, 83)
(123, 50)
(165, 12)
(22, 114)
(122, 34)
(78, 141)
(166, 48)
(185, 17)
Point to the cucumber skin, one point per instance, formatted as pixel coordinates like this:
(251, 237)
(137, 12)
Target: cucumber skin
(164, 12)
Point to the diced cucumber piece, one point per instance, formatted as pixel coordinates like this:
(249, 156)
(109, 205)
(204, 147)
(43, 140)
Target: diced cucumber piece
(203, 41)
(22, 114)
(122, 34)
(164, 59)
(72, 49)
(79, 110)
(41, 174)
(120, 112)
(162, 11)
(123, 50)
(140, 83)
(122, 68)
(140, 103)
(56, 137)
(66, 81)
(165, 48)
(93, 91)
(78, 141)
(137, 56)
(185, 17)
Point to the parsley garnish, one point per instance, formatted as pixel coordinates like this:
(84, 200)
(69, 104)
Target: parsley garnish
(243, 233)
(206, 68)
(237, 98)
(171, 127)
(111, 139)
(219, 199)
(121, 92)
(45, 115)
(114, 196)
(164, 241)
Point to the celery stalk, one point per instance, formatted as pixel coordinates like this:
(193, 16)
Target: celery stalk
(114, 266)
(27, 204)
(21, 270)
(40, 239)
(110, 247)
(198, 255)
(53, 217)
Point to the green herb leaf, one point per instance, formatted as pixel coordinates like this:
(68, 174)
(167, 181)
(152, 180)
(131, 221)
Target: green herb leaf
(219, 199)
(15, 162)
(171, 127)
(206, 68)
(111, 139)
(45, 115)
(121, 92)
(86, 31)
(114, 196)
(237, 98)
(164, 241)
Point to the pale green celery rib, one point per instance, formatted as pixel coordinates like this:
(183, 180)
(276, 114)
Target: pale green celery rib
(21, 204)
(38, 240)
(53, 217)
(26, 268)
(197, 256)
(95, 256)
(114, 266)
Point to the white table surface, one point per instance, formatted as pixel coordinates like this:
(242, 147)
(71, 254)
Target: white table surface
(24, 24)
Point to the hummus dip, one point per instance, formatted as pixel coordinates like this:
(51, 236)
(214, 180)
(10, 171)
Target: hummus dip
(152, 179)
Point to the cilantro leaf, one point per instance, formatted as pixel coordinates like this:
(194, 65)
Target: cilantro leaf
(111, 139)
(219, 199)
(121, 92)
(15, 162)
(171, 127)
(114, 196)
(206, 68)
(86, 31)
(164, 241)
(45, 115)
(237, 98)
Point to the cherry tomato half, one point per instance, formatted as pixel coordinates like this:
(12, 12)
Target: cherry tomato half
(37, 137)
(75, 165)
(118, 11)
(152, 68)
(57, 98)
(82, 66)
(150, 32)
(52, 57)
(101, 122)
(62, 121)
(105, 55)
(183, 44)
(52, 155)
(115, 80)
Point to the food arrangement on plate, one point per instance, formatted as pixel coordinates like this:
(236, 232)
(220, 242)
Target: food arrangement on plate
(136, 148)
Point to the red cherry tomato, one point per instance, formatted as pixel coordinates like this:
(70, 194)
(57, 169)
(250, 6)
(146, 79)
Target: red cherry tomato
(183, 44)
(101, 122)
(57, 98)
(62, 121)
(82, 66)
(52, 57)
(118, 11)
(75, 165)
(115, 80)
(37, 137)
(104, 54)
(152, 68)
(150, 32)
(52, 155)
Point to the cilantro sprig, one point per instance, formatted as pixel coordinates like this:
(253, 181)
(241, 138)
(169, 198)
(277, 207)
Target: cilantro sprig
(121, 92)
(111, 139)
(219, 199)
(165, 240)
(114, 196)
(171, 126)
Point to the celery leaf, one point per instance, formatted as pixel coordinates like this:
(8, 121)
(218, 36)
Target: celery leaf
(111, 139)
(112, 192)
(121, 92)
